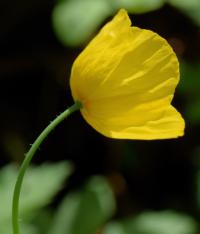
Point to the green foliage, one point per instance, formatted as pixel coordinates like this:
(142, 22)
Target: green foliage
(189, 87)
(190, 81)
(26, 228)
(138, 6)
(42, 183)
(198, 181)
(193, 111)
(190, 8)
(165, 222)
(40, 186)
(85, 211)
(76, 20)
(82, 212)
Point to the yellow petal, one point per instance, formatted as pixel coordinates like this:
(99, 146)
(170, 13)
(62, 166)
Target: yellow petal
(100, 57)
(150, 120)
(126, 78)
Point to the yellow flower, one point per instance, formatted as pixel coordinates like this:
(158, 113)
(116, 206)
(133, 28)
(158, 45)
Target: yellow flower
(125, 79)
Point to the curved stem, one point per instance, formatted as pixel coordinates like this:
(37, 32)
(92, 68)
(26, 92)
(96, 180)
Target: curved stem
(15, 205)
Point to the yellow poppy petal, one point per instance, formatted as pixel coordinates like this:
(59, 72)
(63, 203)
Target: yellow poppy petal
(150, 120)
(100, 57)
(126, 78)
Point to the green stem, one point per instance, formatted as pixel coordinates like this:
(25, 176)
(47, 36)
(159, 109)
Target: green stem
(15, 205)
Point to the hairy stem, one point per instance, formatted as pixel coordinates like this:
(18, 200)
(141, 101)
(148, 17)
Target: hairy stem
(15, 205)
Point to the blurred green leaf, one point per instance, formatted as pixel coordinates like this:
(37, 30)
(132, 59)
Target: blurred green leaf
(165, 222)
(196, 163)
(6, 228)
(85, 211)
(41, 183)
(43, 219)
(115, 228)
(189, 7)
(192, 111)
(190, 78)
(74, 21)
(198, 180)
(138, 6)
(190, 86)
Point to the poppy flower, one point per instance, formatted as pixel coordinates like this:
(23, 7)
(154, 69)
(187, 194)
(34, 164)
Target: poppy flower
(125, 79)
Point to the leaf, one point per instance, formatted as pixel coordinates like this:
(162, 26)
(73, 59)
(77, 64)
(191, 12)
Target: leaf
(74, 21)
(190, 78)
(198, 177)
(191, 8)
(189, 87)
(85, 211)
(192, 111)
(164, 222)
(6, 228)
(138, 6)
(41, 183)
